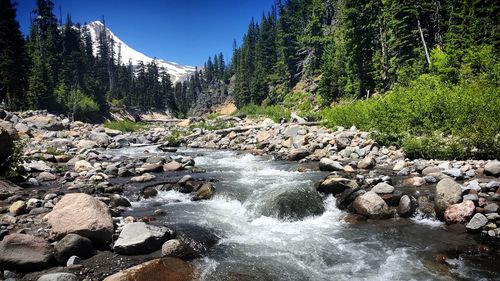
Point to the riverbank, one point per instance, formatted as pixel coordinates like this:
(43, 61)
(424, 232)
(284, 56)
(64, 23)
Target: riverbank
(107, 171)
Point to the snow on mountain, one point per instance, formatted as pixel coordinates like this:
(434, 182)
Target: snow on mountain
(177, 72)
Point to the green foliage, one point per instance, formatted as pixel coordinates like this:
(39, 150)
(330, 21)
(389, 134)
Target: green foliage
(54, 151)
(177, 137)
(211, 125)
(85, 108)
(11, 169)
(124, 126)
(275, 112)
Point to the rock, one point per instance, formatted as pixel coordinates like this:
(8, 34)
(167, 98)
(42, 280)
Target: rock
(164, 269)
(414, 181)
(491, 208)
(383, 187)
(139, 238)
(430, 170)
(492, 168)
(400, 165)
(82, 166)
(459, 213)
(81, 214)
(149, 191)
(46, 176)
(149, 168)
(119, 201)
(101, 139)
(206, 191)
(407, 206)
(335, 185)
(24, 252)
(177, 248)
(73, 261)
(448, 192)
(86, 144)
(456, 173)
(18, 208)
(326, 164)
(347, 197)
(184, 180)
(262, 136)
(8, 135)
(62, 276)
(367, 163)
(477, 222)
(73, 245)
(37, 166)
(471, 197)
(199, 239)
(143, 178)
(172, 166)
(298, 154)
(49, 123)
(7, 189)
(371, 205)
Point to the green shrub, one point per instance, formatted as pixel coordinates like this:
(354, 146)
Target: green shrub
(176, 137)
(275, 112)
(124, 126)
(11, 168)
(211, 125)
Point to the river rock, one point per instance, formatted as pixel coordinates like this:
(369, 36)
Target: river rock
(18, 208)
(7, 189)
(82, 166)
(172, 166)
(199, 239)
(407, 206)
(81, 214)
(491, 208)
(164, 269)
(143, 178)
(24, 252)
(298, 154)
(119, 201)
(36, 166)
(101, 139)
(45, 176)
(448, 192)
(7, 136)
(149, 168)
(49, 123)
(177, 248)
(492, 168)
(459, 213)
(139, 238)
(149, 191)
(335, 185)
(456, 173)
(348, 196)
(477, 222)
(382, 188)
(327, 164)
(400, 165)
(206, 191)
(367, 163)
(61, 276)
(371, 205)
(73, 245)
(430, 170)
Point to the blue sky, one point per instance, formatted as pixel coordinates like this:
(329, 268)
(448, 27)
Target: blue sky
(185, 31)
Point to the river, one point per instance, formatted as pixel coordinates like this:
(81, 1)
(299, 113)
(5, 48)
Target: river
(271, 227)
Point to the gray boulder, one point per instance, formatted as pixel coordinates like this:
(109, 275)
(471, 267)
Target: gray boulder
(139, 238)
(382, 188)
(179, 249)
(448, 192)
(24, 252)
(327, 164)
(477, 222)
(367, 163)
(73, 245)
(63, 276)
(372, 206)
(407, 206)
(492, 168)
(335, 185)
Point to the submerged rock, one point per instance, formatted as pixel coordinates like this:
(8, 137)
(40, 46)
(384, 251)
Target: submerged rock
(407, 206)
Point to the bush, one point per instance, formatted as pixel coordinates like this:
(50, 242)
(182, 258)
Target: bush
(275, 112)
(124, 126)
(176, 137)
(85, 108)
(11, 168)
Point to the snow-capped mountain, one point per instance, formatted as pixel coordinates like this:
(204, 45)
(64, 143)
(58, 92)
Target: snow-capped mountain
(177, 72)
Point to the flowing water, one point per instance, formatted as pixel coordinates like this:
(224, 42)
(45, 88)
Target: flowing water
(273, 227)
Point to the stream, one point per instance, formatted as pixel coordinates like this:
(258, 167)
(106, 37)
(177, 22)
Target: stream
(272, 225)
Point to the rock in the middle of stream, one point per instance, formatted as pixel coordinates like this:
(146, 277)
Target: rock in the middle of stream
(139, 238)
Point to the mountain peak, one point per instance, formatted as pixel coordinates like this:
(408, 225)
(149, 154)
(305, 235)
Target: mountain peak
(176, 71)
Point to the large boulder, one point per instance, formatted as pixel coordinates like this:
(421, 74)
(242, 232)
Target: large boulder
(73, 245)
(407, 206)
(50, 123)
(179, 249)
(492, 168)
(139, 238)
(164, 269)
(101, 139)
(81, 214)
(206, 191)
(371, 205)
(382, 188)
(199, 239)
(335, 185)
(24, 252)
(448, 192)
(298, 154)
(459, 213)
(327, 164)
(7, 136)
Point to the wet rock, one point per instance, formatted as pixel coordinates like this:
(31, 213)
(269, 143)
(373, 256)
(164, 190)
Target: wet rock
(326, 164)
(367, 163)
(177, 248)
(81, 214)
(143, 178)
(149, 168)
(172, 166)
(149, 191)
(73, 245)
(18, 208)
(492, 168)
(371, 205)
(199, 239)
(298, 154)
(139, 238)
(24, 252)
(82, 166)
(62, 276)
(448, 192)
(407, 206)
(335, 185)
(206, 191)
(354, 218)
(477, 222)
(164, 269)
(459, 213)
(184, 180)
(119, 201)
(347, 197)
(382, 188)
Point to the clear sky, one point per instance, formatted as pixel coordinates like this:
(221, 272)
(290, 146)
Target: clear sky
(183, 31)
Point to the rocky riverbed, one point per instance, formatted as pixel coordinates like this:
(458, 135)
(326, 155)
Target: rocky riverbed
(70, 211)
